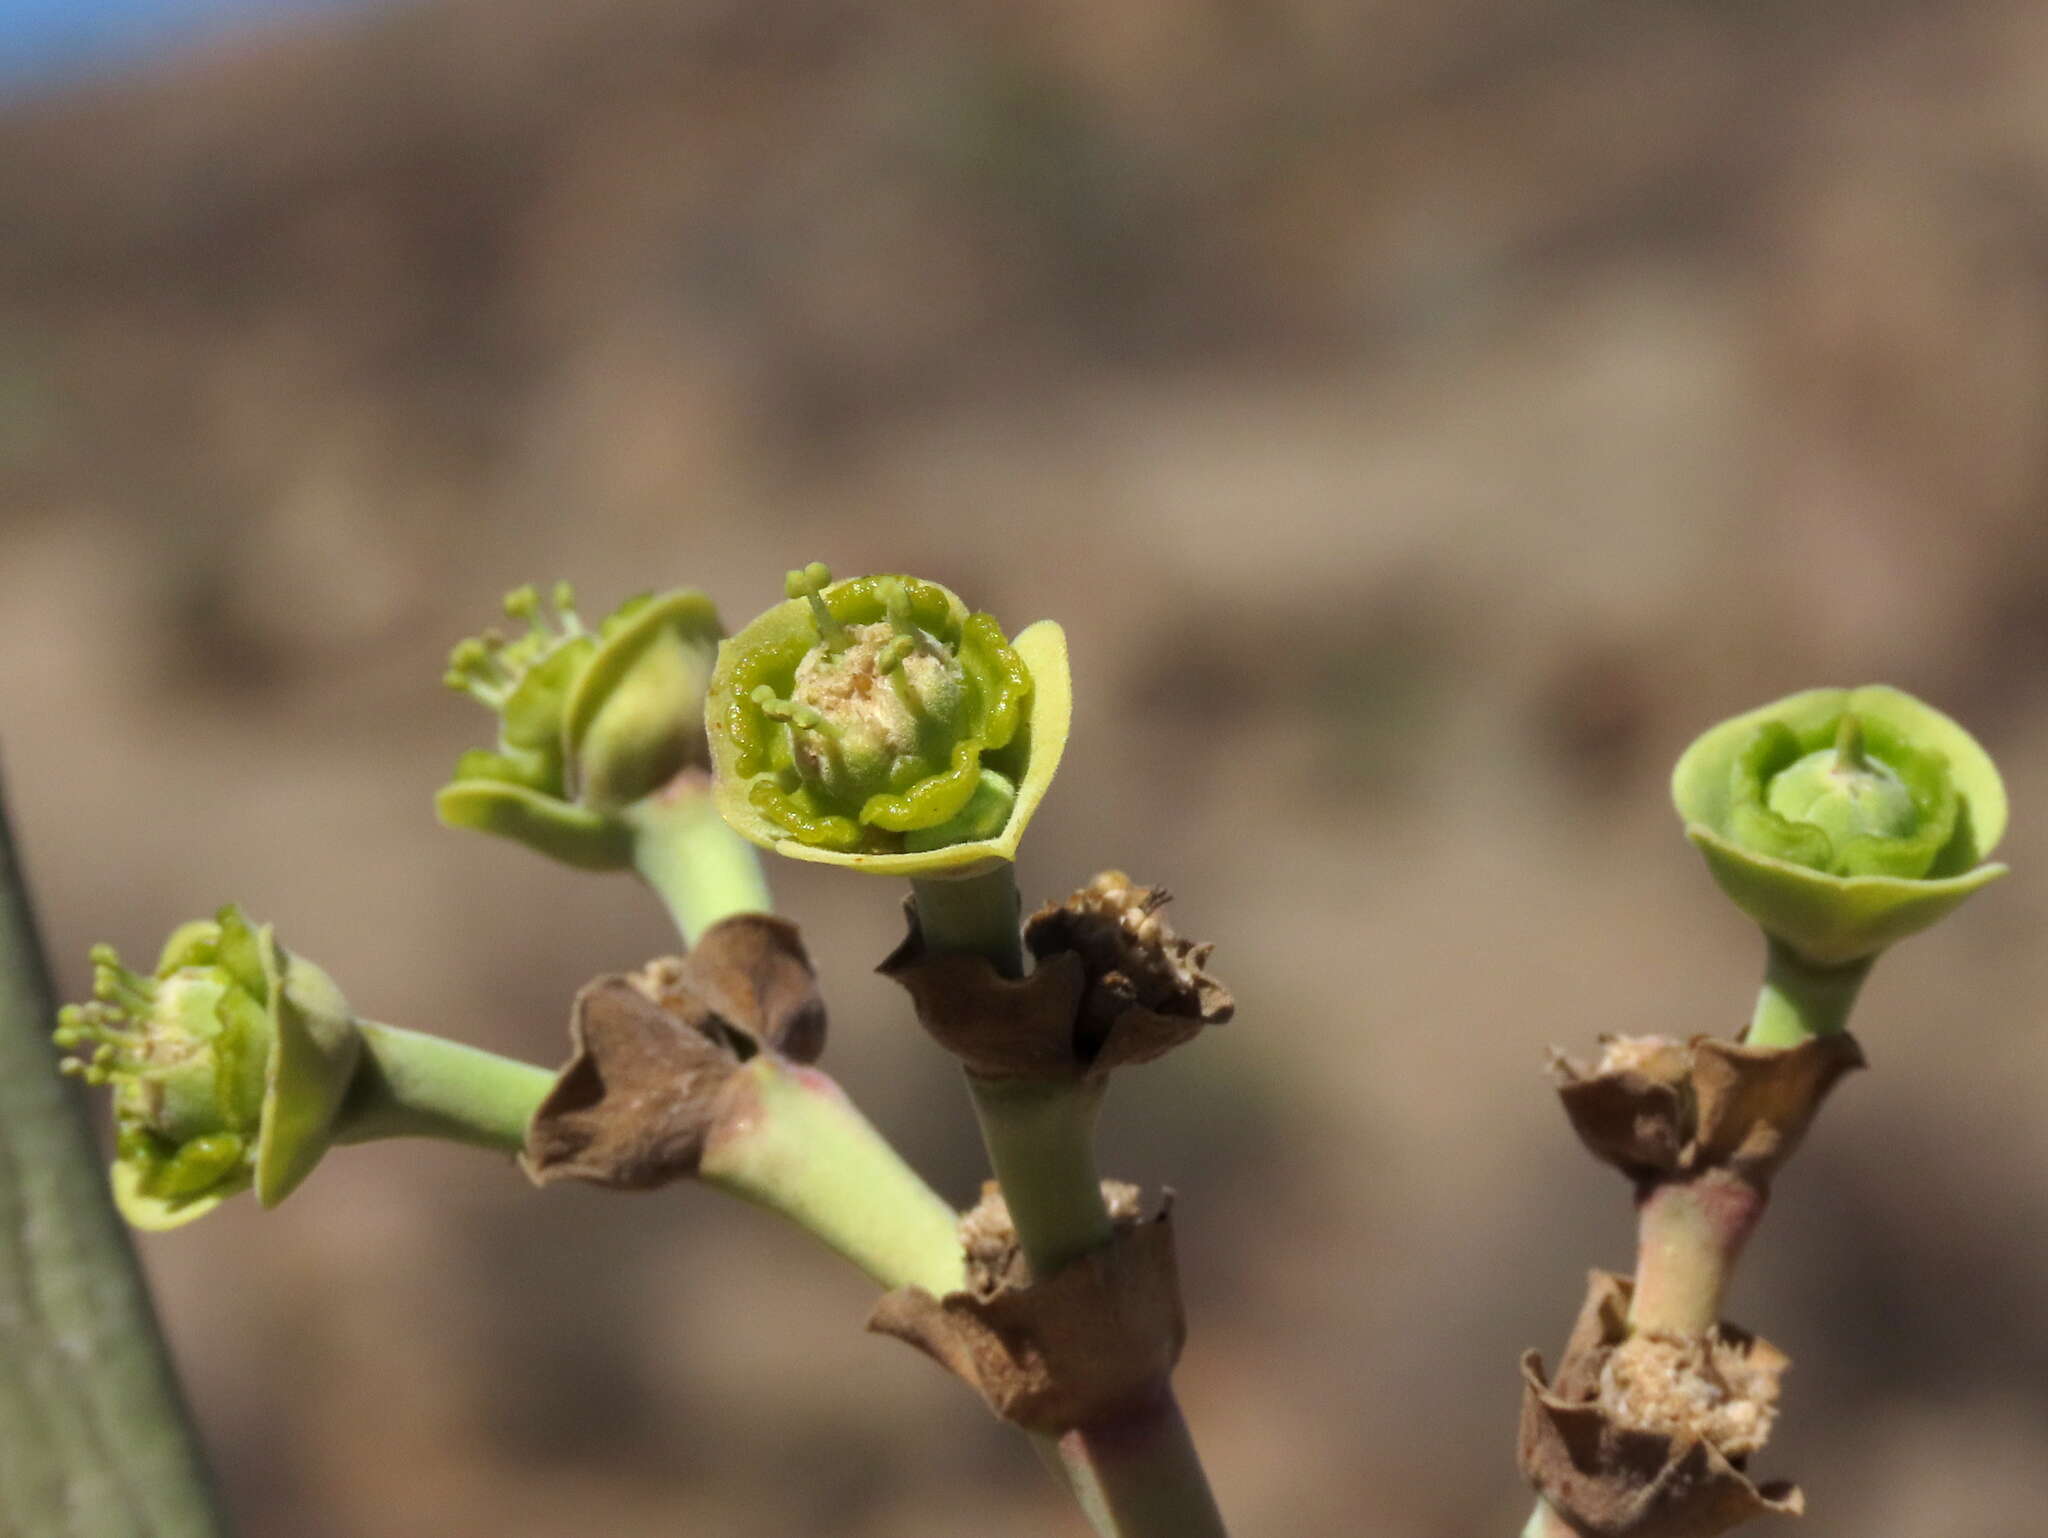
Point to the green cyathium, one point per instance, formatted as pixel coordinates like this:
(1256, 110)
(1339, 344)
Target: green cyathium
(878, 723)
(591, 722)
(1842, 820)
(236, 1065)
(228, 1065)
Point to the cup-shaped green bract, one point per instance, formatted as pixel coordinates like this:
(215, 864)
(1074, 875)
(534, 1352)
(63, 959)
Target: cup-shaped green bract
(590, 721)
(228, 1065)
(1842, 820)
(878, 724)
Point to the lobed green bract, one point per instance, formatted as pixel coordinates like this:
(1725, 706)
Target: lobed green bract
(1842, 820)
(878, 723)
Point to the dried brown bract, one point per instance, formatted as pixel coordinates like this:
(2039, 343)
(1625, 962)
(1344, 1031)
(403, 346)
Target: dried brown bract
(654, 1054)
(1147, 991)
(1113, 986)
(1646, 1435)
(995, 1258)
(1097, 1338)
(1662, 1109)
(748, 974)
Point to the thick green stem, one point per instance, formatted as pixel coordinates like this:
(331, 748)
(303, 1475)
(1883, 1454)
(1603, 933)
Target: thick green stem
(798, 1147)
(408, 1084)
(1690, 1233)
(976, 914)
(1799, 1001)
(694, 861)
(1144, 1470)
(1040, 1133)
(95, 1441)
(1136, 1475)
(794, 1144)
(1041, 1143)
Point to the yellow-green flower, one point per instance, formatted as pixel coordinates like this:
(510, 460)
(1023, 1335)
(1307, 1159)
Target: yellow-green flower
(1842, 820)
(591, 721)
(878, 723)
(228, 1065)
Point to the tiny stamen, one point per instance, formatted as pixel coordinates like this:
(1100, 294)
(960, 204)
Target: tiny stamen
(565, 609)
(809, 584)
(489, 668)
(474, 669)
(805, 718)
(114, 984)
(523, 604)
(102, 1038)
(896, 598)
(892, 653)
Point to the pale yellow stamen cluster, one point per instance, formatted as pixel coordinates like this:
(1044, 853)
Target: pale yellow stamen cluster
(874, 706)
(1691, 1386)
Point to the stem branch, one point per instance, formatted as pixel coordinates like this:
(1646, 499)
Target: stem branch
(696, 864)
(795, 1145)
(408, 1084)
(975, 914)
(1041, 1144)
(1136, 1475)
(1799, 1001)
(1690, 1233)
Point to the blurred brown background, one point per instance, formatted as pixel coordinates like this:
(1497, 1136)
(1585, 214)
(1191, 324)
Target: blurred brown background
(1423, 416)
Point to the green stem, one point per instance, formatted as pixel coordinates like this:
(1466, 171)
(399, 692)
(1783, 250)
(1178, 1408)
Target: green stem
(694, 861)
(1800, 1001)
(1143, 1470)
(1136, 1475)
(977, 914)
(806, 1152)
(798, 1147)
(1040, 1133)
(1041, 1144)
(95, 1440)
(408, 1084)
(1689, 1235)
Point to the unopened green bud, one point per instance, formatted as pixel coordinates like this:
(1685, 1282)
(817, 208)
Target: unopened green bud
(1843, 820)
(878, 723)
(591, 721)
(227, 1064)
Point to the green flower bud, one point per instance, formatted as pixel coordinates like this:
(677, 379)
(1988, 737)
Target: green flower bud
(228, 1065)
(877, 723)
(1842, 820)
(590, 721)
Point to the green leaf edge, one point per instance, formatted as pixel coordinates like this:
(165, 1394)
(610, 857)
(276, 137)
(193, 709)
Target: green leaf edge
(311, 1063)
(576, 836)
(695, 619)
(1832, 920)
(1699, 781)
(158, 1214)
